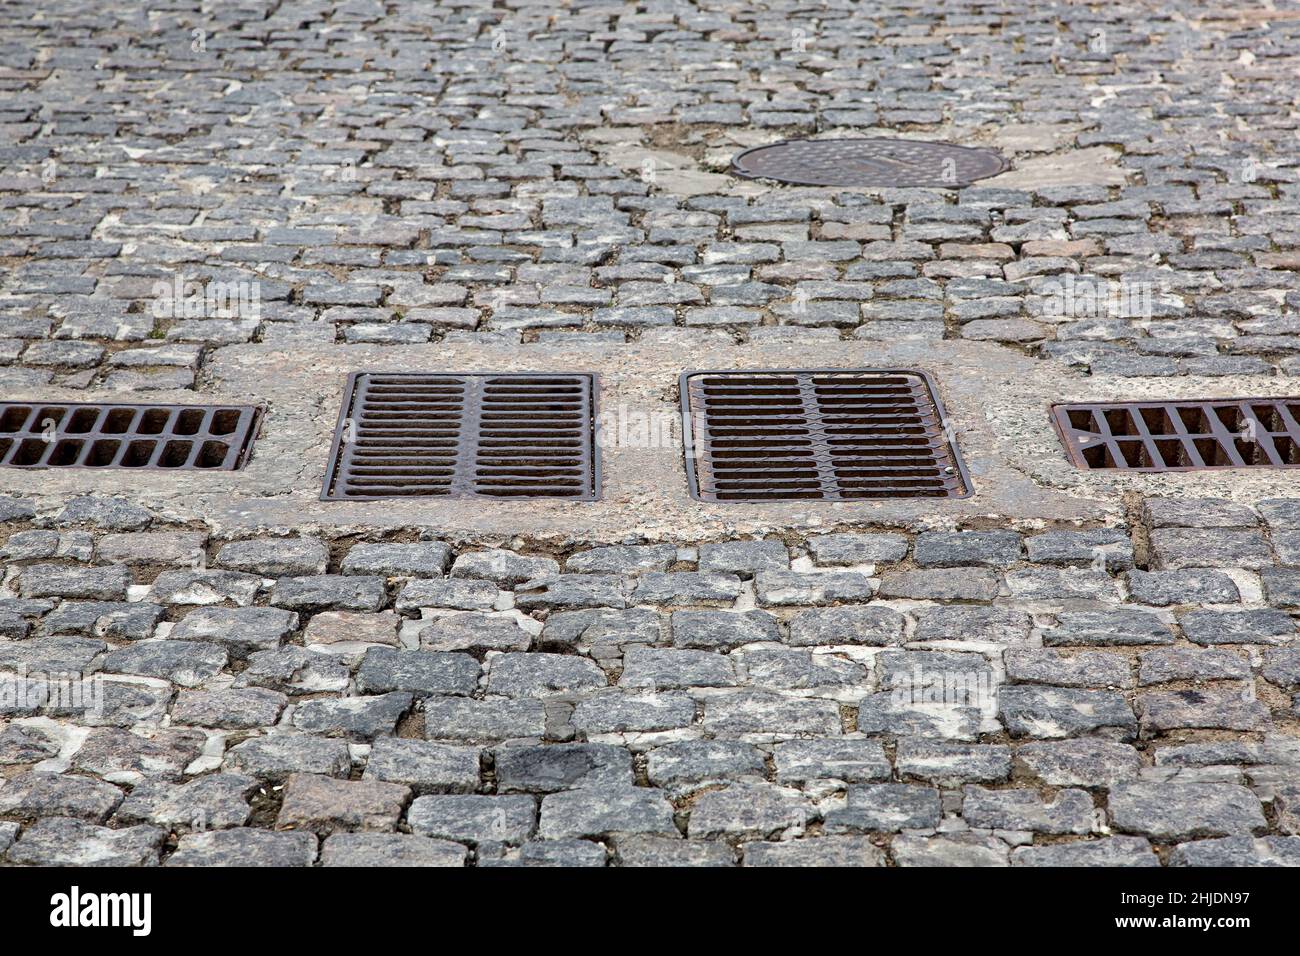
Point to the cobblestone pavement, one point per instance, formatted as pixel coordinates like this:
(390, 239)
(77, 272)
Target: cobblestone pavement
(766, 699)
(1021, 693)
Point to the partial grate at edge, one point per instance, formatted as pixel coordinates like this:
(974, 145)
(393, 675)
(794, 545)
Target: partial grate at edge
(111, 435)
(1181, 435)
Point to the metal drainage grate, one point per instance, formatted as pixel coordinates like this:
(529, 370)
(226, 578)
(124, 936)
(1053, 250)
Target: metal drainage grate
(82, 435)
(829, 434)
(868, 162)
(1188, 435)
(477, 435)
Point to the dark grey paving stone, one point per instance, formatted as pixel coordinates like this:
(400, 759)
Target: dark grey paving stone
(245, 847)
(390, 849)
(62, 841)
(1107, 851)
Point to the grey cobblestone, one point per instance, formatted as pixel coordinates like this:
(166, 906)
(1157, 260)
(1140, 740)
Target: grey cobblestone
(390, 849)
(1172, 811)
(1069, 812)
(244, 848)
(275, 557)
(887, 808)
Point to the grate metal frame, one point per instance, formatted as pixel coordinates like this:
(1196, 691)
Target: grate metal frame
(104, 435)
(1197, 434)
(459, 438)
(867, 162)
(924, 406)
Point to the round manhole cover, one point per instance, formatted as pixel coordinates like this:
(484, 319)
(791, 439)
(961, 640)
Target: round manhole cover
(868, 162)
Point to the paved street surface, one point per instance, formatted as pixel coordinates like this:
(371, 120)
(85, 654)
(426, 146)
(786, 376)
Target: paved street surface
(886, 689)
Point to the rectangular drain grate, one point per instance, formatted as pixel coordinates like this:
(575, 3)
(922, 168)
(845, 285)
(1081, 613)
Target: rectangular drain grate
(1185, 435)
(473, 435)
(92, 435)
(829, 434)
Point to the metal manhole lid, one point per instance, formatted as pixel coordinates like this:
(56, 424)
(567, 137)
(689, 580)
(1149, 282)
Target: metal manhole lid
(113, 435)
(869, 162)
(465, 435)
(1181, 435)
(825, 434)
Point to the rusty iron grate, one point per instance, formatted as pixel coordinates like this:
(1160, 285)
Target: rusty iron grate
(465, 435)
(94, 435)
(828, 434)
(1184, 435)
(868, 162)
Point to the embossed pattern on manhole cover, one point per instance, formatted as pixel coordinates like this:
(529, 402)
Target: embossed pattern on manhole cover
(1182, 435)
(465, 435)
(829, 434)
(868, 162)
(93, 435)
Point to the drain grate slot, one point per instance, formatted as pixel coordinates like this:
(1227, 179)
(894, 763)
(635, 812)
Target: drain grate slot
(830, 435)
(882, 163)
(92, 435)
(1183, 435)
(421, 435)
